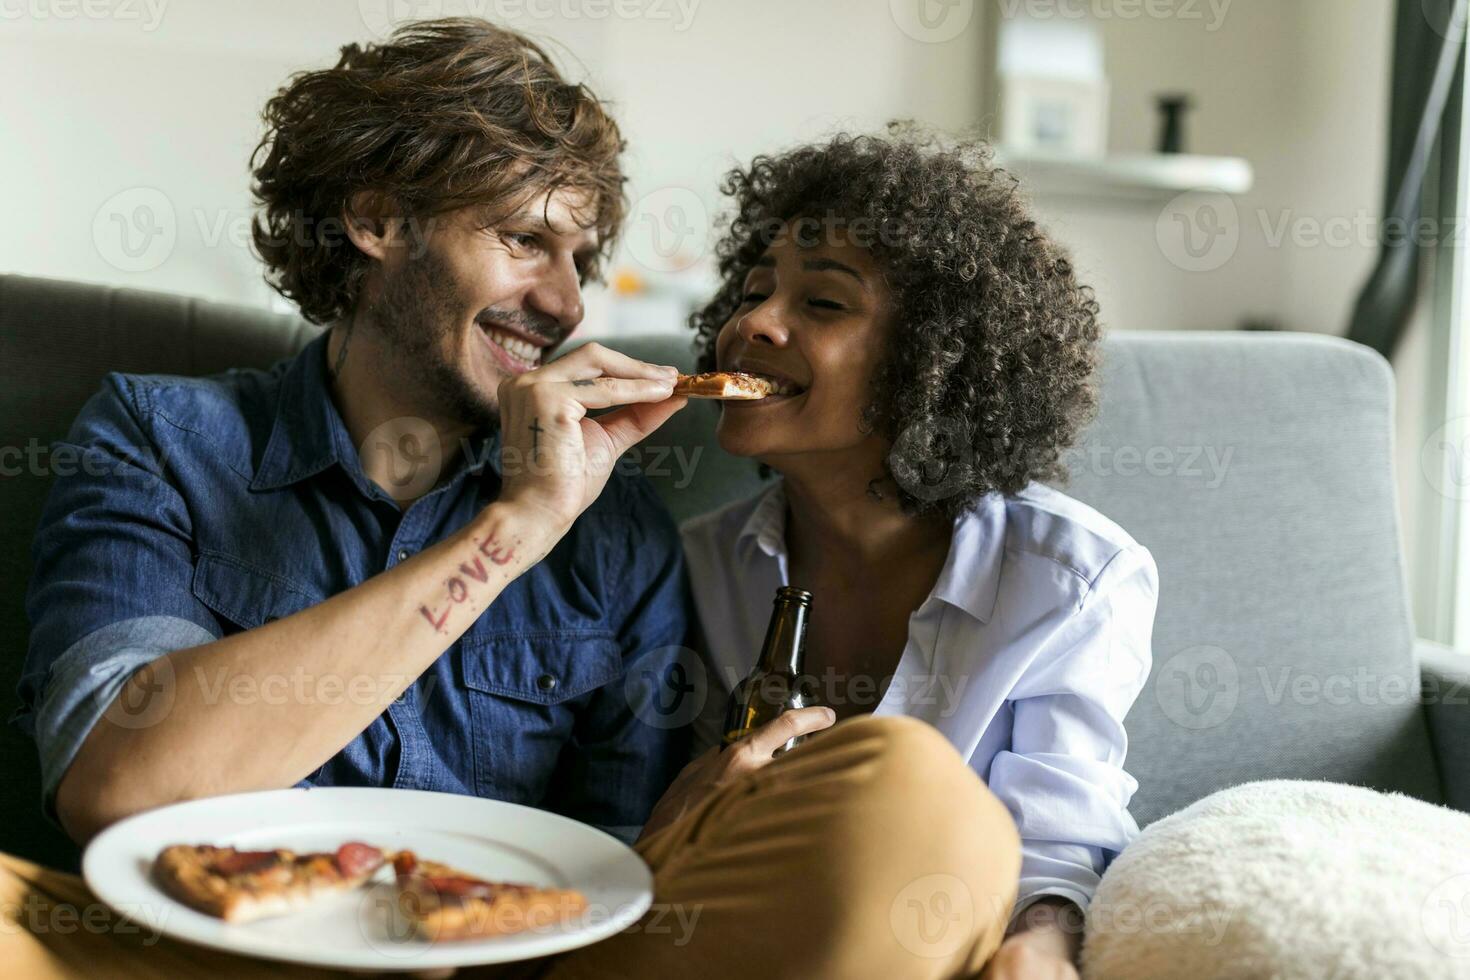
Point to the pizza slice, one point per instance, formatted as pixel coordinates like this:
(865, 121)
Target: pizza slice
(444, 904)
(241, 886)
(724, 385)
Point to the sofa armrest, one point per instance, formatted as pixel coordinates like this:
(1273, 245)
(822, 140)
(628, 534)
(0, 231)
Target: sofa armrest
(1444, 678)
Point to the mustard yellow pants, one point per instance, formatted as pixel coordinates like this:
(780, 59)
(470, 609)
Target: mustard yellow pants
(871, 850)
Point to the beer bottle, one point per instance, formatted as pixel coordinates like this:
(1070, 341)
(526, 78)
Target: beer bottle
(778, 682)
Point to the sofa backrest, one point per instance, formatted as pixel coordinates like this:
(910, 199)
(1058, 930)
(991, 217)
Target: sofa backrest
(57, 341)
(1257, 468)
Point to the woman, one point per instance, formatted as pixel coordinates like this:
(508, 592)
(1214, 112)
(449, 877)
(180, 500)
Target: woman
(936, 356)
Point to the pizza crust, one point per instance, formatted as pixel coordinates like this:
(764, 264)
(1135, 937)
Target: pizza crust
(495, 910)
(518, 909)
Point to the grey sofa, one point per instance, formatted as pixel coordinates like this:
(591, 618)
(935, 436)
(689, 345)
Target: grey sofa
(1256, 468)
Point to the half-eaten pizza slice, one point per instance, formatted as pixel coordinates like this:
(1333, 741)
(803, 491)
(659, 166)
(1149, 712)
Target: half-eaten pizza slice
(724, 385)
(445, 904)
(240, 886)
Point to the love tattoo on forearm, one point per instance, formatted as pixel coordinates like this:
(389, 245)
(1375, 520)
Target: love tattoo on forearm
(458, 587)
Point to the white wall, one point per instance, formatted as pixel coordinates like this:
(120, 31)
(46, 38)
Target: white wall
(169, 99)
(163, 107)
(1300, 90)
(158, 101)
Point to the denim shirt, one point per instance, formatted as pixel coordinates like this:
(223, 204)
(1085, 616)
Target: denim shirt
(204, 507)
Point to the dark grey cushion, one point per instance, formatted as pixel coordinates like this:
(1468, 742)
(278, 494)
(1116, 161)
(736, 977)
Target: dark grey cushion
(57, 340)
(1283, 642)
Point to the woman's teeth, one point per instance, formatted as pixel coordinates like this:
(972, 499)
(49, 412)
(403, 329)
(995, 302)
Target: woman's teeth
(527, 353)
(781, 387)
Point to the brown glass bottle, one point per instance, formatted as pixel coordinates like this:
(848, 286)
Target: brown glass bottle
(779, 682)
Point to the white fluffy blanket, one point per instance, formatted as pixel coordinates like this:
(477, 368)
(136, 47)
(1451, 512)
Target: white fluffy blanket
(1288, 879)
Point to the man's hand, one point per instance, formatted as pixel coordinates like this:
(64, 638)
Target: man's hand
(557, 460)
(715, 768)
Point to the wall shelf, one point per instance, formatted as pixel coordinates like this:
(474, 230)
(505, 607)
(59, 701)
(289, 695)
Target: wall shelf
(1142, 177)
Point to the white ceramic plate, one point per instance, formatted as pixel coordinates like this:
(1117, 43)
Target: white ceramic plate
(362, 930)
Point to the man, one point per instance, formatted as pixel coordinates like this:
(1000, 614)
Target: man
(419, 510)
(473, 629)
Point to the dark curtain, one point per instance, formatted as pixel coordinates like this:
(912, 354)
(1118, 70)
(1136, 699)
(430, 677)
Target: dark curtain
(1428, 45)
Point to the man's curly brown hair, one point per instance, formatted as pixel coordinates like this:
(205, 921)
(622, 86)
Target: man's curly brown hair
(446, 114)
(988, 375)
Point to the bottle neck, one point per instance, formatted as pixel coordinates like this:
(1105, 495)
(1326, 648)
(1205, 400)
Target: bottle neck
(785, 647)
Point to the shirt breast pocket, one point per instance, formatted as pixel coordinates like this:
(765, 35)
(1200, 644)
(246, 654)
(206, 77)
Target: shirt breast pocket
(243, 596)
(524, 691)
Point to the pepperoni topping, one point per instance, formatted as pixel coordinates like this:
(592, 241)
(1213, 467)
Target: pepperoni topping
(460, 887)
(355, 858)
(245, 862)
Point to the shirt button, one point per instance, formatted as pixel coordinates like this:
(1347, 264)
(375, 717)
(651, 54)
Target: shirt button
(546, 683)
(403, 554)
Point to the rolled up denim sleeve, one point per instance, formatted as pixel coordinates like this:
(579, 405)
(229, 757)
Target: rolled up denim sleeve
(110, 589)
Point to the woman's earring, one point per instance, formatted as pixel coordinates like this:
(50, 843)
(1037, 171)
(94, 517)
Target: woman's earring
(873, 490)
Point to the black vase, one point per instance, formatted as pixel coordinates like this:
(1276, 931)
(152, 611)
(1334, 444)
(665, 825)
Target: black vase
(1171, 129)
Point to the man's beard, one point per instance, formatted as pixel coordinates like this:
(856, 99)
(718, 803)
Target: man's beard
(416, 311)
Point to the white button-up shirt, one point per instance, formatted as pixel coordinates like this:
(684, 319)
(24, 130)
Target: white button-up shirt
(1026, 655)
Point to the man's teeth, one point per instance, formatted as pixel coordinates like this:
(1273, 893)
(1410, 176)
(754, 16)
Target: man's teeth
(514, 346)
